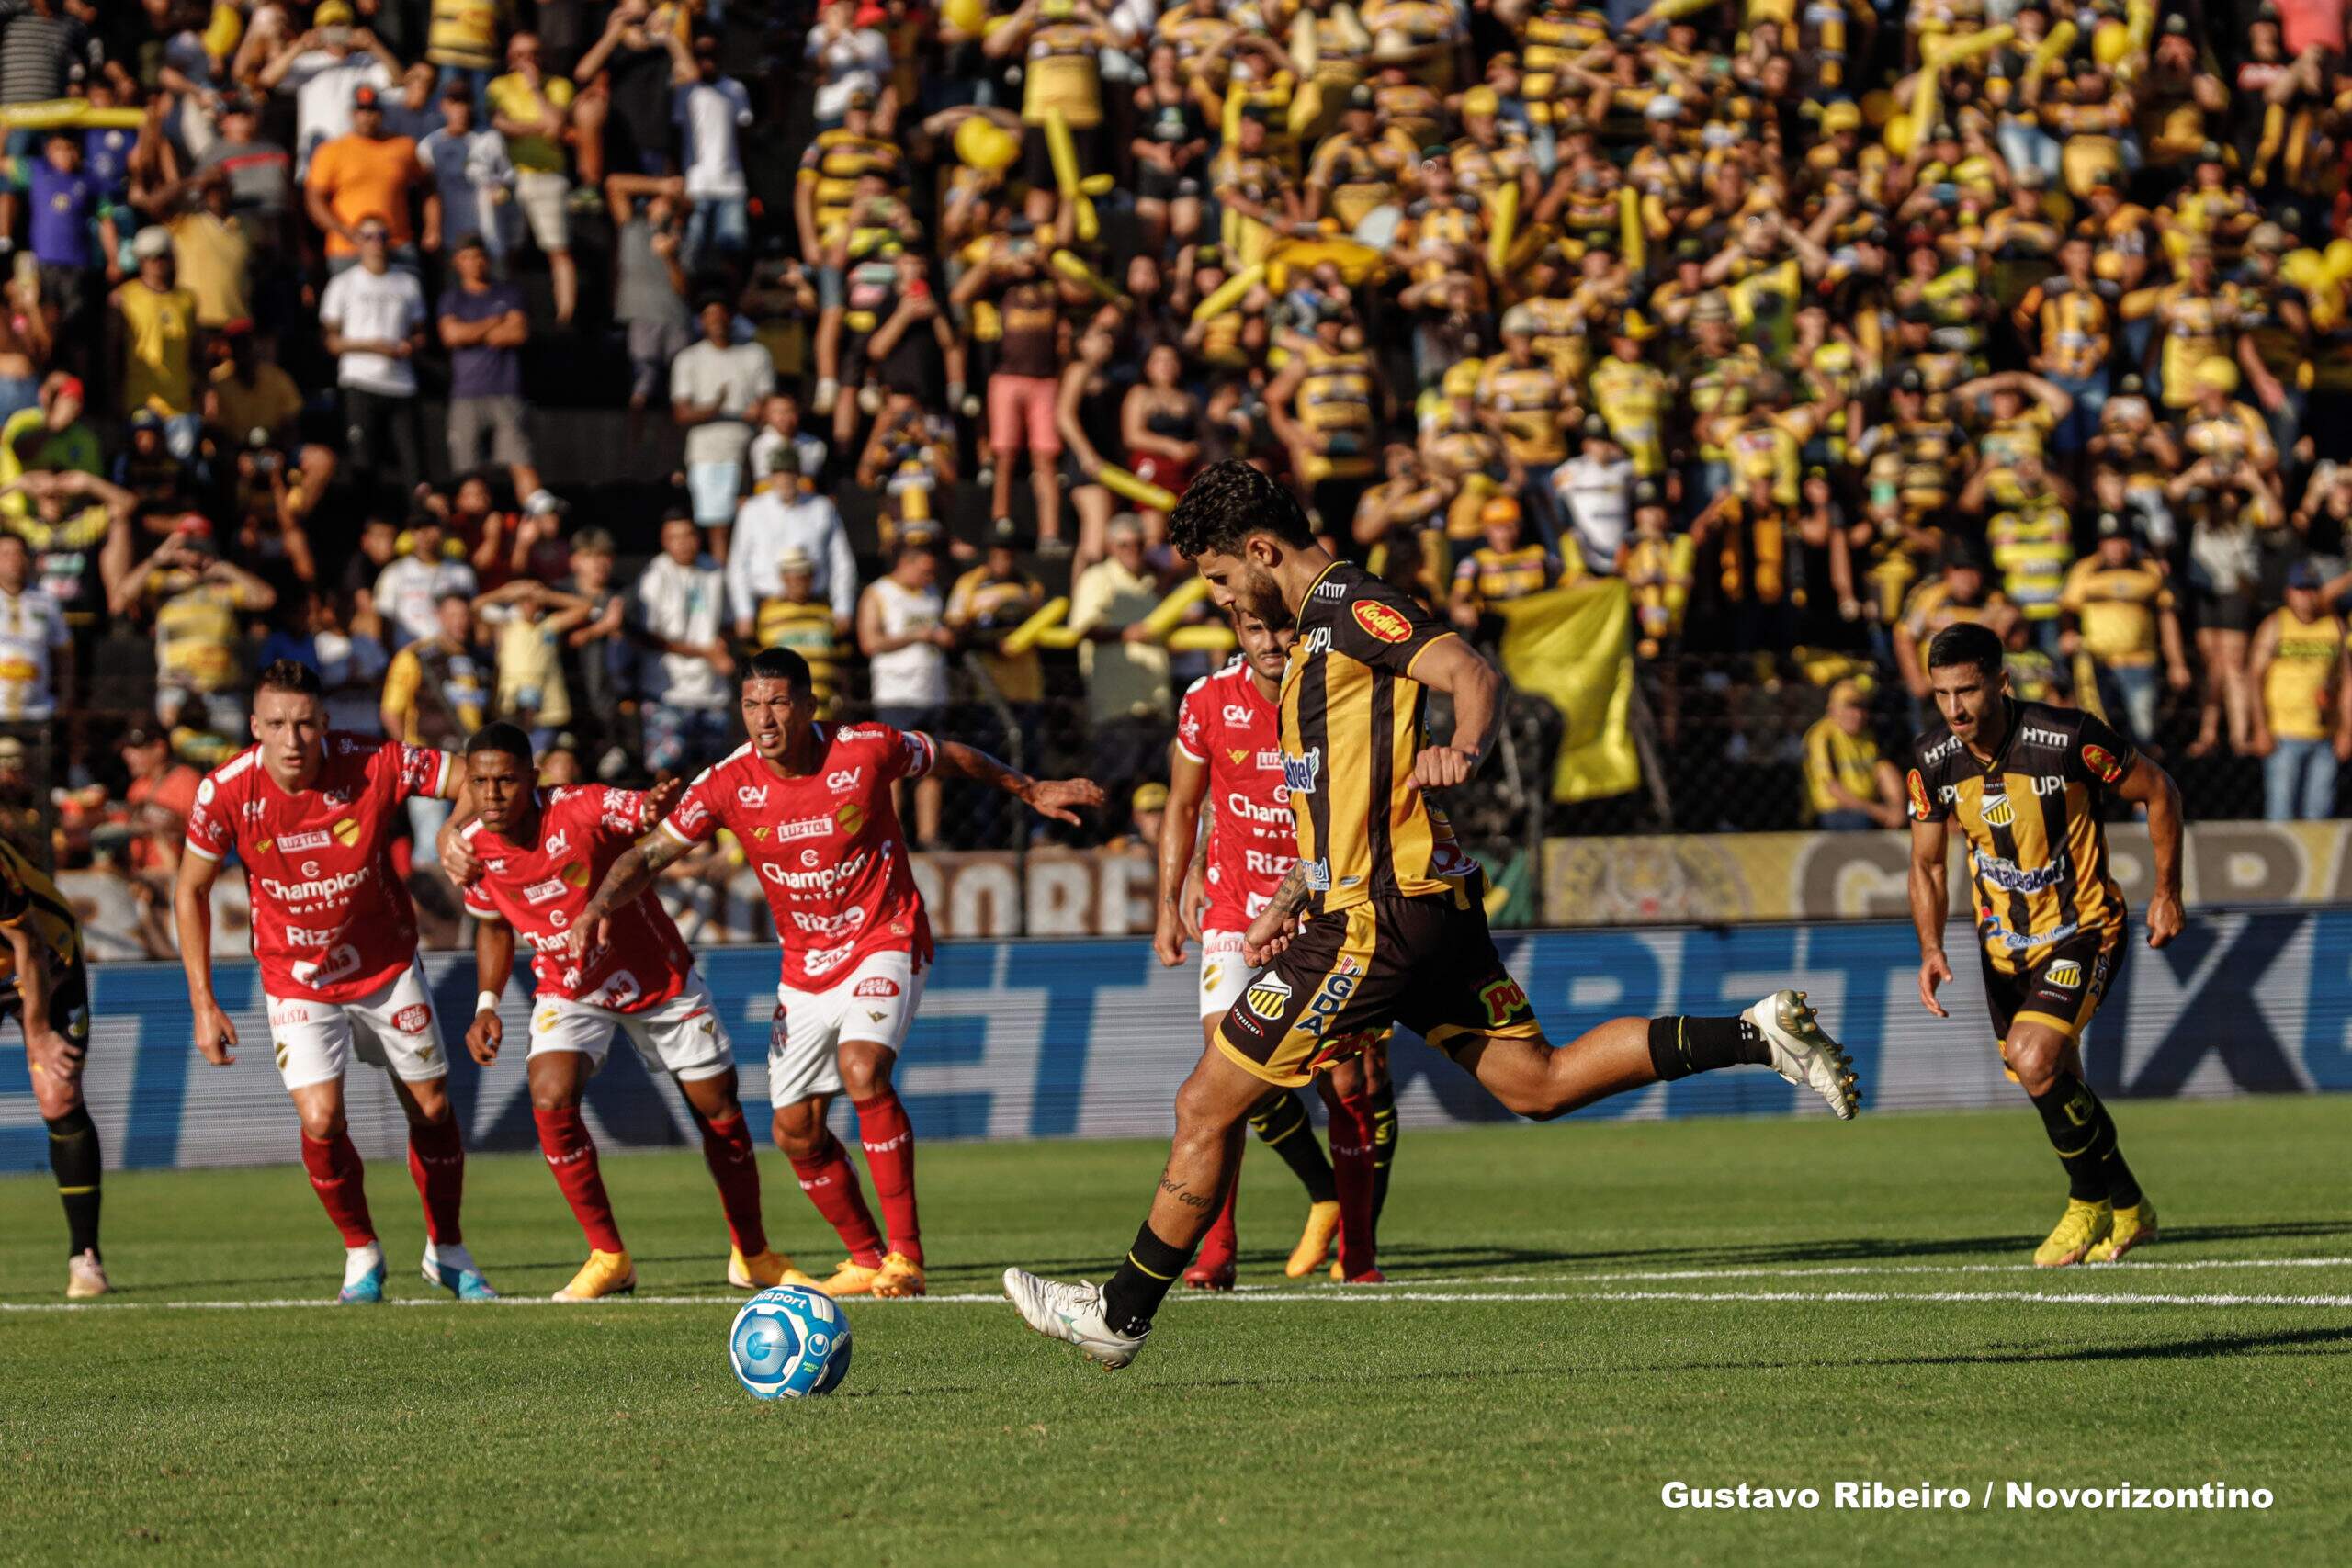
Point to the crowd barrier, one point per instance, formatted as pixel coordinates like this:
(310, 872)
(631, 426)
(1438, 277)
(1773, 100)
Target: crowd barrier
(1089, 1038)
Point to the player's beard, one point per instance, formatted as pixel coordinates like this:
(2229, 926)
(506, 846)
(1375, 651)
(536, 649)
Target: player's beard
(1262, 596)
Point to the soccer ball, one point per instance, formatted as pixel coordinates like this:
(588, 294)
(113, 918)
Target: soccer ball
(789, 1342)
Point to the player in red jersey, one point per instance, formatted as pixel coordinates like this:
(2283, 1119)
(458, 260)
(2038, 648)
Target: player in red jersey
(310, 813)
(1227, 759)
(810, 804)
(530, 858)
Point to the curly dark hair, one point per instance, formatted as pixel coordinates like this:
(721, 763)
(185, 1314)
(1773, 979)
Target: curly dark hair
(1226, 504)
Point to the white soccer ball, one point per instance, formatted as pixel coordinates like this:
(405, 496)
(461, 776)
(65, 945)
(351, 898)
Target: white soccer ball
(789, 1342)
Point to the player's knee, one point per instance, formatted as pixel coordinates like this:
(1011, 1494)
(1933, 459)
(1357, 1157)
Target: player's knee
(1205, 1110)
(800, 1129)
(865, 1071)
(319, 1125)
(55, 1096)
(2035, 1059)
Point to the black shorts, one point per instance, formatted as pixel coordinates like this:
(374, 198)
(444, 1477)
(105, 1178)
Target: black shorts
(2061, 986)
(1428, 964)
(68, 1000)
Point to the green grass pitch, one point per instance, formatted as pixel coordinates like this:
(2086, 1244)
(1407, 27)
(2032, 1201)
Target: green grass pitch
(1579, 1315)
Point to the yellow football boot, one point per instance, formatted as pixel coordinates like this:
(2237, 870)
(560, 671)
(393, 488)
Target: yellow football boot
(1314, 1241)
(604, 1274)
(2080, 1229)
(851, 1279)
(757, 1273)
(2134, 1227)
(901, 1276)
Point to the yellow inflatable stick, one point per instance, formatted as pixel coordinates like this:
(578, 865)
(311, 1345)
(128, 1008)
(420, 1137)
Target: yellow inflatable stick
(1213, 637)
(1171, 611)
(1118, 481)
(1077, 271)
(1629, 227)
(1506, 219)
(1228, 294)
(49, 113)
(1063, 151)
(1025, 636)
(2051, 49)
(985, 146)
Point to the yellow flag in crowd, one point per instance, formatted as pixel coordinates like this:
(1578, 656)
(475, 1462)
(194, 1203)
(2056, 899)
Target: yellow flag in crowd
(1572, 647)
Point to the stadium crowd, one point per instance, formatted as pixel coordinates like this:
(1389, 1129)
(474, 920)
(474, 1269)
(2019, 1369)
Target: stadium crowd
(1822, 327)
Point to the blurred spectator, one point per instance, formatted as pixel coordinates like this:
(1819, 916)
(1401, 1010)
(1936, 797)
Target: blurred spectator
(780, 427)
(2303, 720)
(593, 649)
(533, 622)
(985, 606)
(260, 172)
(36, 651)
(788, 514)
(714, 386)
(1128, 716)
(212, 248)
(437, 692)
(161, 795)
(678, 617)
(483, 326)
(323, 631)
(78, 529)
(531, 110)
(472, 179)
(362, 177)
(710, 107)
(373, 322)
(1849, 786)
(798, 617)
(1506, 567)
(195, 604)
(48, 437)
(649, 283)
(411, 587)
(2120, 615)
(156, 322)
(1595, 492)
(254, 405)
(72, 234)
(902, 631)
(326, 68)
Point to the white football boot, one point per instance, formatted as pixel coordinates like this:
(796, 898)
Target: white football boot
(1073, 1313)
(1802, 1051)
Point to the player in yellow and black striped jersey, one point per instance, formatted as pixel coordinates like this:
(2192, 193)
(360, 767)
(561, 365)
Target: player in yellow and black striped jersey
(1381, 918)
(2028, 786)
(44, 985)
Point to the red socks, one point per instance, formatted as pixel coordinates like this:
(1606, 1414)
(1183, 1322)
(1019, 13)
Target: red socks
(734, 1165)
(1222, 1243)
(831, 1183)
(1352, 1174)
(436, 1160)
(572, 1157)
(890, 1140)
(341, 1183)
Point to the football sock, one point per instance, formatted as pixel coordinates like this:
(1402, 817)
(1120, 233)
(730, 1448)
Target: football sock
(831, 1183)
(436, 1160)
(1384, 1129)
(2073, 1117)
(73, 1159)
(1681, 1046)
(1280, 1122)
(571, 1160)
(1352, 1165)
(889, 1141)
(1223, 1242)
(2123, 1186)
(734, 1164)
(340, 1182)
(1141, 1282)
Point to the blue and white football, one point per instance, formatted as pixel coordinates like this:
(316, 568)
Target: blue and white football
(789, 1342)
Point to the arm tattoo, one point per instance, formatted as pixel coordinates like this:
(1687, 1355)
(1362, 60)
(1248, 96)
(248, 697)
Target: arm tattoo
(633, 873)
(1291, 896)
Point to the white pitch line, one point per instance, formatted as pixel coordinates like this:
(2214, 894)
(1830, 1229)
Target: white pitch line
(2136, 1264)
(1351, 1296)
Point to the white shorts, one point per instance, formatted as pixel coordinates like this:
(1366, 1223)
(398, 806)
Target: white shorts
(392, 1029)
(541, 194)
(875, 1001)
(682, 1037)
(1224, 975)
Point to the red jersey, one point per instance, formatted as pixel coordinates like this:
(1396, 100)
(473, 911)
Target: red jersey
(1227, 724)
(540, 888)
(331, 921)
(827, 847)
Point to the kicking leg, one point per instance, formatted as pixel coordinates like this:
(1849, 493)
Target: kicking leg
(1109, 1321)
(558, 1079)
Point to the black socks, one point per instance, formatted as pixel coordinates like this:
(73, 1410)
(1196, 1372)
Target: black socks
(1141, 1282)
(1280, 1122)
(2084, 1135)
(74, 1157)
(1682, 1046)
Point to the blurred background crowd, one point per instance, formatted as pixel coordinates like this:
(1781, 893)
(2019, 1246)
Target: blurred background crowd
(537, 360)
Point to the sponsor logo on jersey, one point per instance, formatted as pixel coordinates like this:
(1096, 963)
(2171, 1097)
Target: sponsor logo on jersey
(545, 892)
(1299, 772)
(293, 843)
(1236, 714)
(1259, 863)
(1239, 754)
(1239, 804)
(799, 828)
(1267, 996)
(1504, 1001)
(822, 879)
(1381, 622)
(877, 1017)
(2063, 976)
(1998, 811)
(1917, 788)
(411, 1019)
(318, 888)
(841, 779)
(343, 961)
(558, 843)
(825, 960)
(206, 791)
(1939, 751)
(2103, 766)
(2034, 735)
(1317, 641)
(851, 818)
(828, 925)
(1330, 591)
(1210, 974)
(748, 796)
(1318, 876)
(877, 985)
(2011, 877)
(301, 936)
(346, 832)
(575, 873)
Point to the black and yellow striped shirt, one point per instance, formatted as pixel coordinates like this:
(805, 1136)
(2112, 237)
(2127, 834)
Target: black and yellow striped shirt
(29, 901)
(1351, 718)
(2037, 848)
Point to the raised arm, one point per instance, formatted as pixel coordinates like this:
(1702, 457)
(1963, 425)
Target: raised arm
(627, 881)
(1046, 797)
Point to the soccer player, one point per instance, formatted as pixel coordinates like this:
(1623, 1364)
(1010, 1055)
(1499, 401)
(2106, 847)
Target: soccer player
(311, 812)
(1380, 918)
(2028, 784)
(52, 1000)
(1227, 756)
(531, 857)
(811, 805)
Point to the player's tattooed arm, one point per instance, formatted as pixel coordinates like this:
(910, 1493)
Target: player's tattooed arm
(1271, 931)
(1046, 797)
(631, 874)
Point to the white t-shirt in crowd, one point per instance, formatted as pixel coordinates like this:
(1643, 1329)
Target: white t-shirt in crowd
(1599, 500)
(737, 377)
(384, 306)
(31, 629)
(857, 60)
(681, 603)
(914, 676)
(323, 85)
(707, 114)
(407, 591)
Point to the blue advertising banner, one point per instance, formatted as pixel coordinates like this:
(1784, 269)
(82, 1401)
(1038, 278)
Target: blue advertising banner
(1089, 1038)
